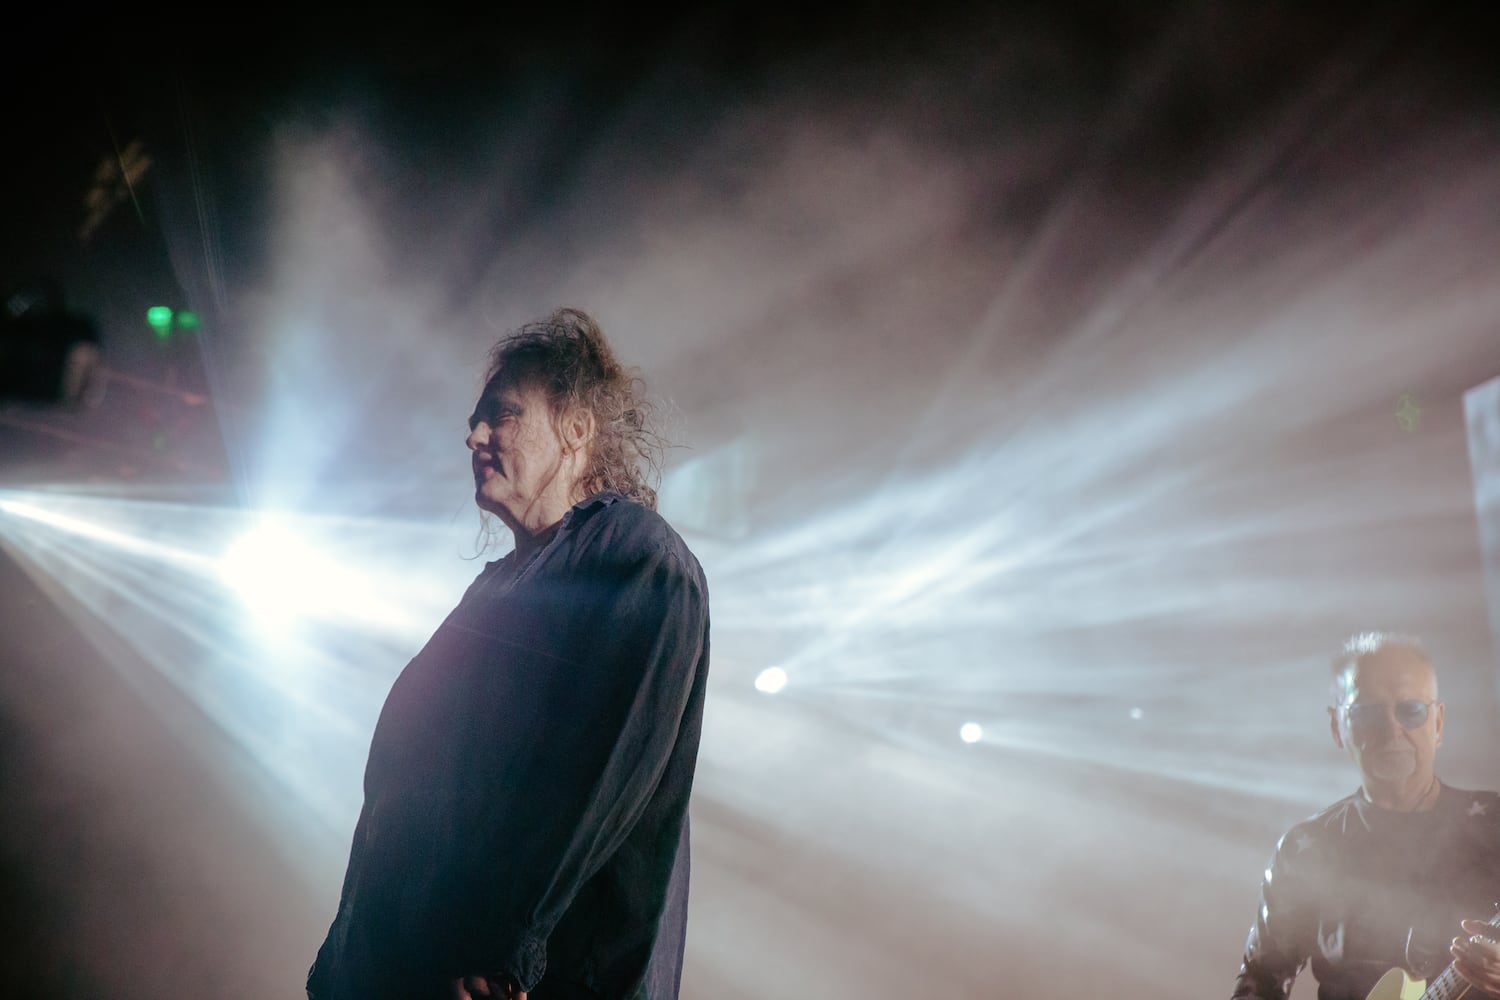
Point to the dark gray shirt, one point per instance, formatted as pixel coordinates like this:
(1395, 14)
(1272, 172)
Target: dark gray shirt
(1358, 890)
(527, 787)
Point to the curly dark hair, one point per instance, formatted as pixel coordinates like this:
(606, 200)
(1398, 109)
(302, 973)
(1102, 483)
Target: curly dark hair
(567, 357)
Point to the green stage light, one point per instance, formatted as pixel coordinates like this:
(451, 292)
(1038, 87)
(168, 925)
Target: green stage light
(187, 320)
(160, 319)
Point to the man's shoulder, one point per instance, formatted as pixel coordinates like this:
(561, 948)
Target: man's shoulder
(1331, 823)
(1335, 813)
(632, 531)
(1475, 794)
(1480, 805)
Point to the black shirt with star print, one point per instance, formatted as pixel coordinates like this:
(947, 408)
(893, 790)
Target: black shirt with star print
(1358, 890)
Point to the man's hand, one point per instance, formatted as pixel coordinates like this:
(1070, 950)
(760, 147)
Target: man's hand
(501, 987)
(1476, 956)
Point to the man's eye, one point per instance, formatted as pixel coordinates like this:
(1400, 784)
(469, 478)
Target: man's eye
(493, 419)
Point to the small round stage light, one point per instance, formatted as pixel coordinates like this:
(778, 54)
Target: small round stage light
(770, 680)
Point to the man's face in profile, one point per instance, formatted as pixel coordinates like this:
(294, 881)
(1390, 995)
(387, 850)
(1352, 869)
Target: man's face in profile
(1389, 719)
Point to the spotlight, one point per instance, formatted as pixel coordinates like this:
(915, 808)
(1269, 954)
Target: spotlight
(771, 680)
(278, 575)
(970, 732)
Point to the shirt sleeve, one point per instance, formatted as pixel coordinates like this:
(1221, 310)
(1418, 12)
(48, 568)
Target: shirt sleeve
(573, 729)
(1281, 937)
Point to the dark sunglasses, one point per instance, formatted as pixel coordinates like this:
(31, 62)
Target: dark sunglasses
(1409, 714)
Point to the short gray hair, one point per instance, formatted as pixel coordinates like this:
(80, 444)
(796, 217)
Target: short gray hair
(1363, 644)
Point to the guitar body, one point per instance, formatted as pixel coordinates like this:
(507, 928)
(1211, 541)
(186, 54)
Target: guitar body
(1397, 985)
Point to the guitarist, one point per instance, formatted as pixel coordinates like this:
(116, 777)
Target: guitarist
(1382, 878)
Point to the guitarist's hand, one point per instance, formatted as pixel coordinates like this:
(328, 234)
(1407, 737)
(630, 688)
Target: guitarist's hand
(1476, 956)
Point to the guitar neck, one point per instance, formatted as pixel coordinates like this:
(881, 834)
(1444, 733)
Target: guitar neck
(1449, 986)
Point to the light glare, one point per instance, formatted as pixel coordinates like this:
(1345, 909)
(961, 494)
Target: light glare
(279, 576)
(771, 680)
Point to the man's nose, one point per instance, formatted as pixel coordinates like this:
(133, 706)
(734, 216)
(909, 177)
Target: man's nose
(479, 436)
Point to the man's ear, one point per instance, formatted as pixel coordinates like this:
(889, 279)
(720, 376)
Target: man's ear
(1333, 727)
(577, 428)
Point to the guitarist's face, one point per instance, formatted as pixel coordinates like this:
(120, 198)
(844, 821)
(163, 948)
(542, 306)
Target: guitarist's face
(1388, 753)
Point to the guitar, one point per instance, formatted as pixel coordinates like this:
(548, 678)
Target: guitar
(1397, 985)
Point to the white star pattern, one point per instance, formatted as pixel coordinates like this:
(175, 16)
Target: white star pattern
(1408, 414)
(1333, 944)
(1477, 809)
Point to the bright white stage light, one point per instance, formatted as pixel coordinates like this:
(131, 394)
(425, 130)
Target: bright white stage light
(280, 577)
(1136, 713)
(75, 526)
(970, 732)
(124, 540)
(771, 680)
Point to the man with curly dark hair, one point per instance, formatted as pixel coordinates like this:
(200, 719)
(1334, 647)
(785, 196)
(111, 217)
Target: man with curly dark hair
(524, 831)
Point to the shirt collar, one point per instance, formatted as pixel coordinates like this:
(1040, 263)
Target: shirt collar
(601, 499)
